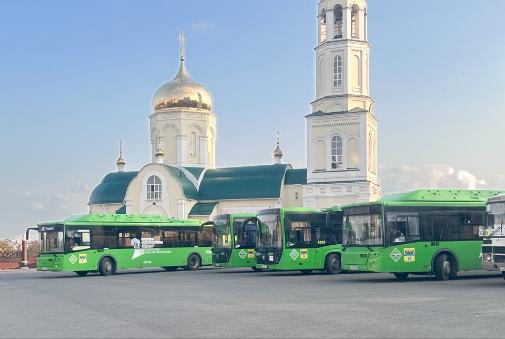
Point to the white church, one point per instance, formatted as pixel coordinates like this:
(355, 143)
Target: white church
(182, 180)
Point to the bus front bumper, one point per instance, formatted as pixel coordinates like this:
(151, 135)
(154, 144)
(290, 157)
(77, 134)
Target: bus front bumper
(493, 266)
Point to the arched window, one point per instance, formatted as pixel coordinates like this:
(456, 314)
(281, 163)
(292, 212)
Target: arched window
(355, 22)
(322, 26)
(193, 144)
(337, 71)
(337, 154)
(338, 15)
(154, 188)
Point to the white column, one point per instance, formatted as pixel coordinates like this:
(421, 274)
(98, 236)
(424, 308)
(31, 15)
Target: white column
(181, 209)
(182, 150)
(203, 151)
(346, 16)
(363, 142)
(330, 24)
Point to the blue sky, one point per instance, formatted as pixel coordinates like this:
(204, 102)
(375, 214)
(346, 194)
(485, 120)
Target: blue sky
(77, 77)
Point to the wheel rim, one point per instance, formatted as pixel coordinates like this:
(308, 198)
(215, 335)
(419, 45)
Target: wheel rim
(334, 264)
(194, 262)
(446, 267)
(108, 266)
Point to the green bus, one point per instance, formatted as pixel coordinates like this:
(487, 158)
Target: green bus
(108, 242)
(234, 242)
(420, 232)
(292, 239)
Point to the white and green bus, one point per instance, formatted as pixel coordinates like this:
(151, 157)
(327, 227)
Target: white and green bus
(493, 246)
(110, 242)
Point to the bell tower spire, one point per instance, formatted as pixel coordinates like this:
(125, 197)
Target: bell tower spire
(342, 128)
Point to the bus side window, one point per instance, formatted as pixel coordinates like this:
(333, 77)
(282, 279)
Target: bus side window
(104, 237)
(330, 232)
(205, 237)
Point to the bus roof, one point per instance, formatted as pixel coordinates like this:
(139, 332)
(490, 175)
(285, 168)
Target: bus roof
(234, 215)
(497, 198)
(288, 209)
(124, 220)
(435, 197)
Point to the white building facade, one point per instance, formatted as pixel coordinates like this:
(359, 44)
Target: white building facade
(342, 128)
(182, 180)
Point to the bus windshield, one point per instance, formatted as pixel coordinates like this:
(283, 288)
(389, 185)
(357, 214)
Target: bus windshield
(362, 228)
(495, 219)
(245, 235)
(269, 230)
(51, 239)
(222, 233)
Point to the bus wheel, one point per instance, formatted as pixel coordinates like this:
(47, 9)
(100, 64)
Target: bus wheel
(442, 267)
(81, 273)
(170, 268)
(306, 271)
(332, 264)
(255, 269)
(107, 266)
(503, 274)
(401, 276)
(193, 262)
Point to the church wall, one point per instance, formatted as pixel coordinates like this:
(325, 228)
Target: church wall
(169, 205)
(338, 194)
(104, 209)
(187, 136)
(244, 206)
(293, 196)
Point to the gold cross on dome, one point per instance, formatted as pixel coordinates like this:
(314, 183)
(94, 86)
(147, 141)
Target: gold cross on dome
(182, 45)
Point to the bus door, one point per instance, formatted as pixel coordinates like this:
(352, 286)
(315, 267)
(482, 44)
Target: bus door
(300, 238)
(328, 235)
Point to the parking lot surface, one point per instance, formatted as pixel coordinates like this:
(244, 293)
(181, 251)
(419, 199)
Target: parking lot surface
(224, 303)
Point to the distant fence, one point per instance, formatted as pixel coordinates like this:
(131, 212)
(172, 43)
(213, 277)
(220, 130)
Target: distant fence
(10, 253)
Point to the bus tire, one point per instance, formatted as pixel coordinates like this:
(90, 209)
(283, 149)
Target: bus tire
(255, 269)
(194, 262)
(306, 271)
(401, 276)
(81, 273)
(170, 268)
(332, 264)
(442, 267)
(503, 274)
(107, 266)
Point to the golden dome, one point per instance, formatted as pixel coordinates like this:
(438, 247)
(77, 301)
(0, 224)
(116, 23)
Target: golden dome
(120, 161)
(278, 152)
(159, 153)
(182, 91)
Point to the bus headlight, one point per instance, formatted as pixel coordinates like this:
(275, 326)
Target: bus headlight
(488, 257)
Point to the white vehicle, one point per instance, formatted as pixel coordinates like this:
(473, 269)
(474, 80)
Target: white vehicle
(493, 245)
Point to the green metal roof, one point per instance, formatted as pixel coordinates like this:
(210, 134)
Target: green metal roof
(195, 171)
(112, 189)
(248, 182)
(124, 220)
(296, 177)
(121, 210)
(187, 186)
(201, 209)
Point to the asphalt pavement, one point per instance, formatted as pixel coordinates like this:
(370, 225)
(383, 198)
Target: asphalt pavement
(225, 303)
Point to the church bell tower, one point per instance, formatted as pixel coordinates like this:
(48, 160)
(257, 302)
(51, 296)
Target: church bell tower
(342, 128)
